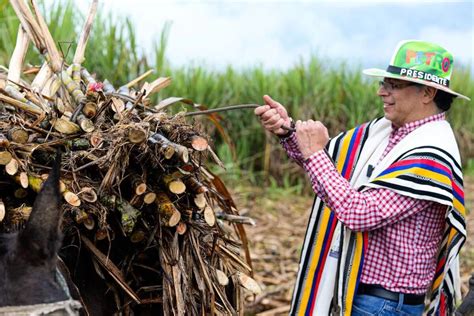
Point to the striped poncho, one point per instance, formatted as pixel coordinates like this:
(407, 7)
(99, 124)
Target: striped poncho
(424, 165)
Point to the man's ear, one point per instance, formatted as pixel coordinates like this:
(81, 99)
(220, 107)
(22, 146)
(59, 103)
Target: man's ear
(429, 94)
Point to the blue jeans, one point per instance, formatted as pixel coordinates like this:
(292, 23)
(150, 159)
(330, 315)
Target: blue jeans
(367, 305)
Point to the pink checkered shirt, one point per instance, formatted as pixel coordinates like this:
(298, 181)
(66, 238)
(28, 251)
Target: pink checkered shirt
(404, 233)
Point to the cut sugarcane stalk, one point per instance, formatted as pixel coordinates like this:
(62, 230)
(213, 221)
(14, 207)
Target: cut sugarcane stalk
(89, 109)
(155, 86)
(226, 229)
(4, 142)
(2, 211)
(34, 183)
(182, 152)
(54, 58)
(36, 100)
(195, 185)
(76, 73)
(209, 216)
(88, 194)
(167, 147)
(19, 96)
(222, 277)
(117, 105)
(22, 179)
(80, 216)
(72, 87)
(62, 187)
(71, 198)
(173, 184)
(215, 157)
(5, 157)
(149, 198)
(200, 200)
(124, 90)
(137, 135)
(169, 215)
(89, 222)
(86, 124)
(181, 228)
(96, 140)
(12, 167)
(137, 236)
(87, 77)
(29, 23)
(21, 105)
(20, 193)
(138, 184)
(249, 283)
(63, 125)
(18, 56)
(52, 52)
(108, 87)
(69, 70)
(236, 218)
(20, 214)
(128, 213)
(41, 78)
(199, 143)
(51, 86)
(138, 79)
(78, 144)
(18, 135)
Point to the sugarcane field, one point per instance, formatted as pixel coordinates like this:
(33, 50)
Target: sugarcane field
(132, 186)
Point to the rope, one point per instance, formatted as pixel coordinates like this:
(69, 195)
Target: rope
(62, 282)
(63, 308)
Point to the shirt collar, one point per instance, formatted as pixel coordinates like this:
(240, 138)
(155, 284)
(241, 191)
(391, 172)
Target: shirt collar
(411, 126)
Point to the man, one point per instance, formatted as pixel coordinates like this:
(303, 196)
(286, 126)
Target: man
(388, 219)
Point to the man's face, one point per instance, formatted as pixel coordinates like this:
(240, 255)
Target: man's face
(401, 101)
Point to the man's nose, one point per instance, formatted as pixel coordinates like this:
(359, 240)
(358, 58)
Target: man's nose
(382, 91)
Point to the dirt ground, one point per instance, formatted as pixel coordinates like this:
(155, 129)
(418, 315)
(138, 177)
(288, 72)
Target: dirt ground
(277, 238)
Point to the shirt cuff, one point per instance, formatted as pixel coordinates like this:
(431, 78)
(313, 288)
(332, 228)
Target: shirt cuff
(319, 166)
(290, 140)
(290, 132)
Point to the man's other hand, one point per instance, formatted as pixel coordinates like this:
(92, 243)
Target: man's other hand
(312, 136)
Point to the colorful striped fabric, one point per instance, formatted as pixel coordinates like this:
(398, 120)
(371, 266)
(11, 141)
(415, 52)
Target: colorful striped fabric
(432, 173)
(332, 256)
(344, 149)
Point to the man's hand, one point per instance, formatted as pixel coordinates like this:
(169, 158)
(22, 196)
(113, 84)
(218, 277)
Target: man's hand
(272, 116)
(312, 137)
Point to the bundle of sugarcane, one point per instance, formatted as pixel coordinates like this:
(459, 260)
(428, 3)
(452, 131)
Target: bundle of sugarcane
(138, 196)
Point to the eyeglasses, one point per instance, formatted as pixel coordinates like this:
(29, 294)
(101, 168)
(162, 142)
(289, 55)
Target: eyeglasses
(390, 86)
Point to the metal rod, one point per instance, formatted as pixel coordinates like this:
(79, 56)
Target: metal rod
(233, 107)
